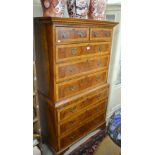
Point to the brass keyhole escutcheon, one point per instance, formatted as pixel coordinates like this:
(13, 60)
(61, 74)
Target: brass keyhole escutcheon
(100, 48)
(81, 34)
(97, 77)
(95, 34)
(106, 34)
(88, 47)
(74, 51)
(64, 35)
(71, 88)
(73, 109)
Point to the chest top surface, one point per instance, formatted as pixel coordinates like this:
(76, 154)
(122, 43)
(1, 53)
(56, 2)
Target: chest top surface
(74, 21)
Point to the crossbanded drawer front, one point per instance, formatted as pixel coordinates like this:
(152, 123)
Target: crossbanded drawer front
(83, 117)
(83, 67)
(72, 108)
(67, 52)
(78, 133)
(73, 87)
(100, 34)
(67, 34)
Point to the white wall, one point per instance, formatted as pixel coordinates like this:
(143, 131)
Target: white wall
(114, 68)
(114, 1)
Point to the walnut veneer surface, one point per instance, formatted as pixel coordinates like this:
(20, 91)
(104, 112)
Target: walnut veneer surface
(72, 59)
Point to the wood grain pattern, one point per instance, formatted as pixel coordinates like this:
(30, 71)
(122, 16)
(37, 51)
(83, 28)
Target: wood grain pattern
(76, 106)
(76, 134)
(48, 122)
(80, 51)
(42, 60)
(72, 68)
(83, 117)
(100, 34)
(81, 67)
(67, 34)
(73, 87)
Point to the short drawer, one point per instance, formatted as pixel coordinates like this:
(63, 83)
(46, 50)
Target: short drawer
(82, 67)
(73, 87)
(67, 34)
(73, 107)
(78, 133)
(80, 119)
(100, 34)
(67, 52)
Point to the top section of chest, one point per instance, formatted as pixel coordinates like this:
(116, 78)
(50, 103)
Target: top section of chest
(70, 55)
(70, 30)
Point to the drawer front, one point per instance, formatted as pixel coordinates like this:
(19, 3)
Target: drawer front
(93, 99)
(67, 34)
(70, 70)
(68, 112)
(100, 34)
(66, 52)
(74, 107)
(78, 133)
(79, 120)
(73, 87)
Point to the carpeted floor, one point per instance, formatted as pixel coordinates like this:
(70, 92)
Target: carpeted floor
(107, 147)
(99, 144)
(90, 145)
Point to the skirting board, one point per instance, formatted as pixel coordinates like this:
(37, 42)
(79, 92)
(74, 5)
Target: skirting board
(111, 112)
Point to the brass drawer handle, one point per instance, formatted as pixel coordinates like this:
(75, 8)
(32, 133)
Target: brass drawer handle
(72, 137)
(72, 109)
(97, 109)
(72, 122)
(100, 48)
(73, 51)
(64, 35)
(95, 34)
(81, 34)
(97, 77)
(71, 70)
(98, 97)
(106, 34)
(71, 88)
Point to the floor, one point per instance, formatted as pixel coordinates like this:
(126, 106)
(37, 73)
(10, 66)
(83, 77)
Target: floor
(46, 151)
(107, 147)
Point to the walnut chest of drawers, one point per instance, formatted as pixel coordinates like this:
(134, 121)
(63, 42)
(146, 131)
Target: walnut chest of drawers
(72, 59)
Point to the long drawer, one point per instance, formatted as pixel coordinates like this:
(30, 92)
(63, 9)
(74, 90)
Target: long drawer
(76, 86)
(82, 67)
(82, 117)
(78, 133)
(75, 106)
(73, 51)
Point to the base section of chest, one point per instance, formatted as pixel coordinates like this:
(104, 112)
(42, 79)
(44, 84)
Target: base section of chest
(64, 123)
(63, 150)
